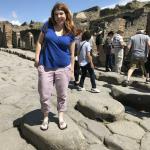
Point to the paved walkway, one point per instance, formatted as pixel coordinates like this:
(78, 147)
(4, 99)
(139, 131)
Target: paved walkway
(110, 120)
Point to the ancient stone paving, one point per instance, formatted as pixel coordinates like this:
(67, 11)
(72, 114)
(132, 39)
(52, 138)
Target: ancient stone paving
(96, 121)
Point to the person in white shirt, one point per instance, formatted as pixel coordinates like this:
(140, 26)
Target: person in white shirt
(118, 45)
(86, 63)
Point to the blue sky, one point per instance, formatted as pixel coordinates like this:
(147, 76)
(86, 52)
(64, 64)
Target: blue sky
(19, 11)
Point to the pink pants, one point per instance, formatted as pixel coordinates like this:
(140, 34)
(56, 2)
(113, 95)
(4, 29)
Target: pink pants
(47, 79)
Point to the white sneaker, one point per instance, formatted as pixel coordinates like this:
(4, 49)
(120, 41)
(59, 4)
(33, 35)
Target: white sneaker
(95, 90)
(81, 88)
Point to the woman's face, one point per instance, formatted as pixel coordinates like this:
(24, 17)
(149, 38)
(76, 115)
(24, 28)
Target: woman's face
(60, 17)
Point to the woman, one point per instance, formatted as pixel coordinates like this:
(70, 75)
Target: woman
(54, 60)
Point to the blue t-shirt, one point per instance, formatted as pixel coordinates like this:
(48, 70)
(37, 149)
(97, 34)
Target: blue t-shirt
(56, 53)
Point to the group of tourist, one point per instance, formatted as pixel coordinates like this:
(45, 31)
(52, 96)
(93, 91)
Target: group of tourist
(62, 52)
(138, 45)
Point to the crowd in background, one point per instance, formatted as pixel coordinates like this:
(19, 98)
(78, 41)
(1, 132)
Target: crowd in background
(116, 50)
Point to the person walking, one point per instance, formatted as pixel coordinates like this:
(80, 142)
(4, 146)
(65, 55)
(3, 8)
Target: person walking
(108, 51)
(99, 41)
(147, 67)
(139, 52)
(86, 63)
(118, 45)
(54, 60)
(76, 64)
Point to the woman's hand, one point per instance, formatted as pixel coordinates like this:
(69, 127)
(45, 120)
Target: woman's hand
(72, 75)
(36, 63)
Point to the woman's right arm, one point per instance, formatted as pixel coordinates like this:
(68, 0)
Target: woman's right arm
(38, 48)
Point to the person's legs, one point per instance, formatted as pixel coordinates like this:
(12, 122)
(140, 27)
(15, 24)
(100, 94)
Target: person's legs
(107, 62)
(83, 75)
(118, 60)
(76, 72)
(110, 61)
(62, 78)
(45, 86)
(98, 49)
(113, 60)
(147, 67)
(142, 65)
(92, 75)
(130, 71)
(133, 66)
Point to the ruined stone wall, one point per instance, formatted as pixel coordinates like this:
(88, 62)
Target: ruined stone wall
(16, 39)
(7, 35)
(129, 22)
(1, 34)
(1, 37)
(116, 24)
(29, 41)
(138, 23)
(28, 38)
(148, 24)
(83, 18)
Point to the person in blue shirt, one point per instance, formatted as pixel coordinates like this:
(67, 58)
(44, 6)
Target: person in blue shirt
(54, 60)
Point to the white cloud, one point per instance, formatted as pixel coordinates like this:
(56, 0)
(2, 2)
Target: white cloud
(16, 22)
(109, 6)
(122, 2)
(14, 14)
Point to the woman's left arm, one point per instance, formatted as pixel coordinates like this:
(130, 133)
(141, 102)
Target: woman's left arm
(72, 49)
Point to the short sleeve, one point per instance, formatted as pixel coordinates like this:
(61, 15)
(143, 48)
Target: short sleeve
(88, 47)
(148, 38)
(44, 27)
(72, 38)
(121, 39)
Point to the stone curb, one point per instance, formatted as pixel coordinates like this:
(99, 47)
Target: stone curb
(117, 79)
(21, 53)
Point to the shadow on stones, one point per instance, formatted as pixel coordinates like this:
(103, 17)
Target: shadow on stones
(139, 90)
(34, 118)
(72, 86)
(137, 113)
(109, 86)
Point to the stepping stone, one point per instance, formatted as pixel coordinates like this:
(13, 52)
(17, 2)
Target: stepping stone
(53, 138)
(118, 142)
(11, 140)
(100, 107)
(134, 97)
(145, 142)
(127, 128)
